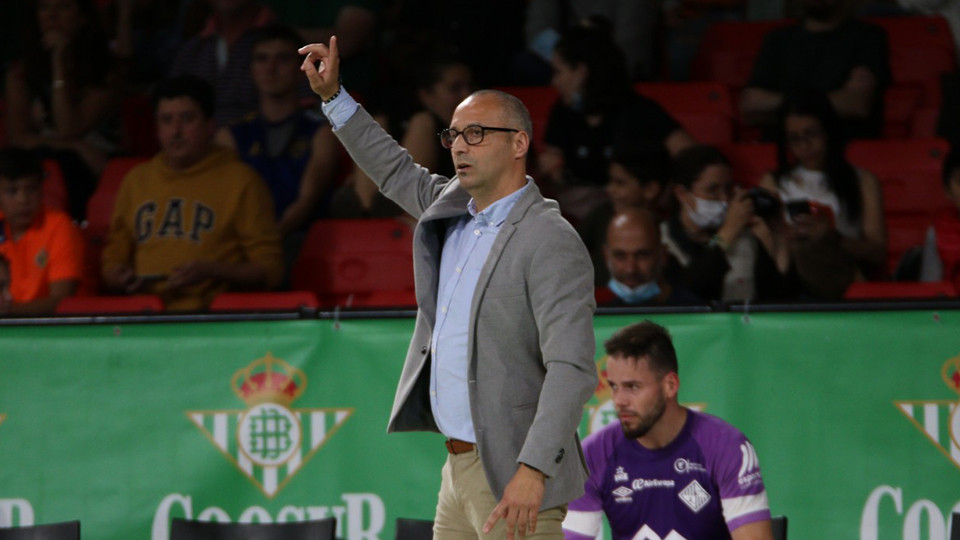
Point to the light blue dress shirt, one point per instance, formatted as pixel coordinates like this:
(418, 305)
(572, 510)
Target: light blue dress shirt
(465, 249)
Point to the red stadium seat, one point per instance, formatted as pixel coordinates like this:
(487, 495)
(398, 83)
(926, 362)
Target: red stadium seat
(54, 186)
(901, 104)
(280, 300)
(909, 172)
(750, 161)
(100, 205)
(924, 123)
(144, 303)
(539, 100)
(904, 232)
(899, 289)
(704, 109)
(728, 49)
(366, 261)
(921, 49)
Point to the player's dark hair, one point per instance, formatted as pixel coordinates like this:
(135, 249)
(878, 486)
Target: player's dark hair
(644, 340)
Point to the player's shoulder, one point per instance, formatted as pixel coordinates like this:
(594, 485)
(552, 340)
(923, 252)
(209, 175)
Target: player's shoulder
(708, 427)
(604, 440)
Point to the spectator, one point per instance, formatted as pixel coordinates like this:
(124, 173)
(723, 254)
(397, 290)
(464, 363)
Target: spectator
(846, 239)
(941, 253)
(636, 180)
(221, 55)
(441, 85)
(635, 28)
(713, 236)
(60, 94)
(598, 113)
(636, 257)
(292, 149)
(354, 22)
(827, 51)
(360, 198)
(194, 220)
(42, 247)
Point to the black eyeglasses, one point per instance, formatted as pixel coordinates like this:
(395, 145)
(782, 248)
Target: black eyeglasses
(471, 134)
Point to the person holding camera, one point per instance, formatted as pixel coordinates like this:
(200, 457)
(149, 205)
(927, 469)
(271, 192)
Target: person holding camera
(835, 230)
(720, 248)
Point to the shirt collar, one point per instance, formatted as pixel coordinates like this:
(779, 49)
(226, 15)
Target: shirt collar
(496, 213)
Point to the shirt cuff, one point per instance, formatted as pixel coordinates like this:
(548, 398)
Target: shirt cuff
(340, 110)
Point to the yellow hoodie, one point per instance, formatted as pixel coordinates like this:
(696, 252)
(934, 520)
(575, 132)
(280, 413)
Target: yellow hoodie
(219, 210)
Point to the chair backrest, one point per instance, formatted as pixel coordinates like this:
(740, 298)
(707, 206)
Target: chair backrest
(750, 161)
(68, 530)
(414, 529)
(344, 257)
(909, 172)
(728, 50)
(862, 290)
(100, 205)
(955, 526)
(779, 525)
(280, 300)
(704, 109)
(320, 529)
(141, 303)
(921, 48)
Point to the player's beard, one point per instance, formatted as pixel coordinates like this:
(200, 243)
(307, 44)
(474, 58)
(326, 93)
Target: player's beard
(645, 421)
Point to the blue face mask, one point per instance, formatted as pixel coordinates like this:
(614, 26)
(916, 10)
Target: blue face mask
(634, 295)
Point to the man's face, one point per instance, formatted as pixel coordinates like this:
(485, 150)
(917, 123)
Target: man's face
(624, 189)
(275, 67)
(185, 133)
(638, 396)
(482, 167)
(567, 79)
(453, 87)
(633, 253)
(20, 200)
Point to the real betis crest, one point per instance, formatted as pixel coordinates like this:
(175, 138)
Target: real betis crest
(939, 420)
(269, 442)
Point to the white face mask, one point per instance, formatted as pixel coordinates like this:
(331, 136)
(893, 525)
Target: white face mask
(707, 214)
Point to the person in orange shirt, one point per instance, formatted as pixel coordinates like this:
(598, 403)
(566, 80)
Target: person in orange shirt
(42, 245)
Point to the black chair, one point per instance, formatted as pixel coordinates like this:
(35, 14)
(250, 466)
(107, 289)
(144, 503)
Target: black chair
(68, 530)
(414, 529)
(186, 529)
(779, 525)
(955, 526)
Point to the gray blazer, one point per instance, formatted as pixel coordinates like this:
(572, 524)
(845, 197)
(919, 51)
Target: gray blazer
(531, 341)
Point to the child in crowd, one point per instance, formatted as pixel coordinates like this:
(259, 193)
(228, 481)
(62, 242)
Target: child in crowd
(43, 247)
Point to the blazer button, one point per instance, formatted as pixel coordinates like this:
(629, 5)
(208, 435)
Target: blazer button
(559, 457)
(423, 350)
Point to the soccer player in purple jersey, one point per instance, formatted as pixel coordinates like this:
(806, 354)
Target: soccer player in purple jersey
(666, 472)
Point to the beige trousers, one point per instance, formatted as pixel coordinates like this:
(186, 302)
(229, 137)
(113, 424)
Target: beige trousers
(466, 502)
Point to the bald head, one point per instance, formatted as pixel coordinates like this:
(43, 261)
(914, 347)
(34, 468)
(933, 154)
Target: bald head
(515, 113)
(633, 249)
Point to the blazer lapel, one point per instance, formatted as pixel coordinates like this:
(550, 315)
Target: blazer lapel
(428, 246)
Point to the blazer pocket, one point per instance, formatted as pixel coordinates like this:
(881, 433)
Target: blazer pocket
(506, 291)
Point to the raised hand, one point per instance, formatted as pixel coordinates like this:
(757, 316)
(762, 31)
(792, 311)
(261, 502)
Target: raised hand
(322, 66)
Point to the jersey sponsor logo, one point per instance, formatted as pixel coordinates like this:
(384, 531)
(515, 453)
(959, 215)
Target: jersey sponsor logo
(646, 533)
(622, 494)
(939, 420)
(641, 484)
(694, 496)
(621, 475)
(684, 465)
(269, 442)
(749, 465)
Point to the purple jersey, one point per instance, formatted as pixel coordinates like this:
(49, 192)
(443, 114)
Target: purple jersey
(702, 485)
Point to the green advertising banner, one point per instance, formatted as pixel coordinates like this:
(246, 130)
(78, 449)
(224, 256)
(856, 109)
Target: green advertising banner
(854, 416)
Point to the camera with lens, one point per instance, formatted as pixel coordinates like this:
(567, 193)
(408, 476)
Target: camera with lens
(765, 203)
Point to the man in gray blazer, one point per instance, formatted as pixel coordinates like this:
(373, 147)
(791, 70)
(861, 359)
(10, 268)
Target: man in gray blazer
(501, 360)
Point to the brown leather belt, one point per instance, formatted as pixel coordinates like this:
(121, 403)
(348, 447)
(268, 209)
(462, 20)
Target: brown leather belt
(455, 446)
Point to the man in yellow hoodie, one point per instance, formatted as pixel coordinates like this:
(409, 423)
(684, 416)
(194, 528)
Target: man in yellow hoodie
(194, 220)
